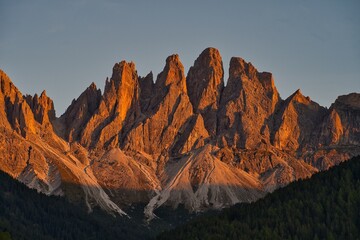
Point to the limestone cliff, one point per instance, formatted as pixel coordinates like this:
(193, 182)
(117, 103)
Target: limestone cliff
(185, 140)
(205, 82)
(247, 105)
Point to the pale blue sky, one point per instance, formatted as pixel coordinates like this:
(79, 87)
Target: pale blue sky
(63, 46)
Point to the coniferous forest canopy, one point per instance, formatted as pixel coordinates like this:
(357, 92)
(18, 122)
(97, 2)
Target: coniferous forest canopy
(326, 206)
(26, 214)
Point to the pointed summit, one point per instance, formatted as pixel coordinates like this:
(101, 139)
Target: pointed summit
(8, 88)
(80, 111)
(46, 107)
(239, 66)
(122, 88)
(15, 112)
(92, 86)
(298, 97)
(297, 94)
(205, 82)
(42, 107)
(146, 91)
(173, 74)
(297, 117)
(205, 79)
(341, 125)
(168, 112)
(118, 106)
(247, 103)
(121, 68)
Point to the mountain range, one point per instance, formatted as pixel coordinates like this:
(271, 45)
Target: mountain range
(179, 139)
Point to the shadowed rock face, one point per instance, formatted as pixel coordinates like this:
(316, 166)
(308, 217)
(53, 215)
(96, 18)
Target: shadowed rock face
(15, 111)
(42, 107)
(146, 91)
(247, 106)
(342, 123)
(337, 137)
(79, 113)
(179, 140)
(295, 122)
(117, 107)
(167, 116)
(205, 83)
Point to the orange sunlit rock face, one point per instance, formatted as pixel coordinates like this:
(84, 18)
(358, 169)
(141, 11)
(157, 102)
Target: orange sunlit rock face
(205, 82)
(179, 140)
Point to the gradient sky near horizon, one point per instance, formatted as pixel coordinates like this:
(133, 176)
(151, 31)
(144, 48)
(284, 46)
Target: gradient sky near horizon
(63, 46)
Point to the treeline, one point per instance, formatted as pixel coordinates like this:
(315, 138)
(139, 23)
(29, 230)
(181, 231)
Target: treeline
(26, 214)
(326, 206)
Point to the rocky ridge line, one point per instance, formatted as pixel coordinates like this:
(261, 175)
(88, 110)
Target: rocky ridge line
(183, 139)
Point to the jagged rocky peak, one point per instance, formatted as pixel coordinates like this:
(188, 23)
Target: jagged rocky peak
(168, 113)
(205, 79)
(173, 74)
(42, 107)
(21, 118)
(127, 90)
(92, 95)
(247, 104)
(297, 96)
(122, 88)
(244, 76)
(296, 122)
(179, 140)
(241, 70)
(350, 101)
(118, 107)
(146, 90)
(122, 68)
(22, 111)
(92, 86)
(267, 81)
(8, 88)
(170, 86)
(15, 112)
(332, 129)
(88, 101)
(80, 111)
(342, 123)
(238, 67)
(205, 82)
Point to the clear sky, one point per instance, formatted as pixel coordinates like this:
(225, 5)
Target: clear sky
(63, 46)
